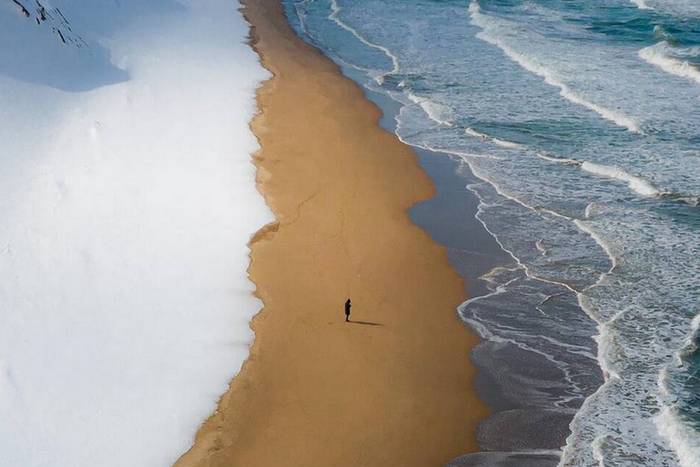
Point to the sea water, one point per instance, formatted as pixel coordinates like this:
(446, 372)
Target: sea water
(581, 122)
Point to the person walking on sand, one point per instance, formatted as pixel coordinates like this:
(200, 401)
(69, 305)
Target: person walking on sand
(348, 304)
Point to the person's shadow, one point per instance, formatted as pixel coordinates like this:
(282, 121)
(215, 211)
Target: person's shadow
(365, 323)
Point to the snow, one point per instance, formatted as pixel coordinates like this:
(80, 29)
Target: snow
(127, 198)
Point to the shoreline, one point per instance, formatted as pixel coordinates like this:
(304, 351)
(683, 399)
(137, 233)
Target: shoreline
(510, 434)
(396, 387)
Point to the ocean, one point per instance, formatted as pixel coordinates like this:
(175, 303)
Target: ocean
(576, 125)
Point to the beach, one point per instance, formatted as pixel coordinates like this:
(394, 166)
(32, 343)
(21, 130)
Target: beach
(549, 115)
(193, 191)
(395, 385)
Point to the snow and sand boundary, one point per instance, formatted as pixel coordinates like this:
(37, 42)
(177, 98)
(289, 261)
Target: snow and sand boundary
(128, 197)
(393, 387)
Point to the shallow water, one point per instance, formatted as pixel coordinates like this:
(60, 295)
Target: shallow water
(581, 124)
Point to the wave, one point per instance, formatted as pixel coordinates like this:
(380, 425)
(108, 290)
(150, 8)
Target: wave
(682, 438)
(670, 422)
(683, 9)
(439, 113)
(661, 55)
(539, 244)
(335, 10)
(463, 155)
(661, 34)
(637, 184)
(641, 4)
(558, 160)
(690, 200)
(499, 142)
(488, 25)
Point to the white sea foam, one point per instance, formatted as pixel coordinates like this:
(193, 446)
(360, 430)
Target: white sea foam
(301, 16)
(604, 336)
(637, 184)
(683, 439)
(461, 154)
(641, 4)
(589, 210)
(476, 134)
(680, 8)
(690, 200)
(127, 197)
(605, 350)
(558, 160)
(498, 142)
(489, 33)
(662, 56)
(438, 113)
(539, 244)
(606, 345)
(335, 11)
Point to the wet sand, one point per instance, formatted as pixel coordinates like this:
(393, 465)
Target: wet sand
(393, 388)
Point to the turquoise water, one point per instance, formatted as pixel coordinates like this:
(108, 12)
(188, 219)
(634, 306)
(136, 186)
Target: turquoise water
(581, 121)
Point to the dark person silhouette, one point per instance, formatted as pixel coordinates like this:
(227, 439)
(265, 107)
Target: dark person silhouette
(348, 304)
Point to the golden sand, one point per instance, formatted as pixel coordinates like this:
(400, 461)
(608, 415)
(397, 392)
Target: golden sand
(394, 388)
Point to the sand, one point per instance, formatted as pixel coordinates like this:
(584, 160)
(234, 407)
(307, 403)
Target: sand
(395, 386)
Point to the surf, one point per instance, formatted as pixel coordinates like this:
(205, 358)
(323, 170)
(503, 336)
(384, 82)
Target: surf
(489, 34)
(665, 57)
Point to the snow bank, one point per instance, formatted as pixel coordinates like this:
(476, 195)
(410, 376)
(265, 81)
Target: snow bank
(127, 197)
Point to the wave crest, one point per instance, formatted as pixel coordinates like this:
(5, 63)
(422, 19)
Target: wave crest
(637, 184)
(665, 57)
(438, 113)
(489, 33)
(497, 141)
